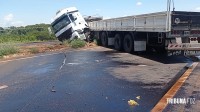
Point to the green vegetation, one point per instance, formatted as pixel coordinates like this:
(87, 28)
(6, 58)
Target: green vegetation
(38, 32)
(96, 42)
(12, 36)
(66, 43)
(6, 49)
(77, 43)
(34, 50)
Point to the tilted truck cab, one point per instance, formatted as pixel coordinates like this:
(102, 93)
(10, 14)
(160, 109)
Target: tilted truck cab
(69, 24)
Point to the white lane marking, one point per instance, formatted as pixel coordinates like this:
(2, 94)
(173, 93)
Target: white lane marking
(73, 63)
(3, 87)
(30, 57)
(142, 65)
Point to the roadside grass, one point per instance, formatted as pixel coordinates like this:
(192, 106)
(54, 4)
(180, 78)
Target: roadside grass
(7, 49)
(34, 50)
(66, 43)
(50, 47)
(77, 43)
(96, 42)
(18, 48)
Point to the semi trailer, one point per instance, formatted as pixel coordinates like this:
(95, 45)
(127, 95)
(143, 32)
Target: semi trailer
(173, 32)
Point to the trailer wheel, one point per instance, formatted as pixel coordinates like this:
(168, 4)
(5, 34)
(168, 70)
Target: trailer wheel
(104, 39)
(118, 42)
(128, 43)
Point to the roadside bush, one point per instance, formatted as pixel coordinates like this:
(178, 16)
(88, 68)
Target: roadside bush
(77, 43)
(38, 32)
(34, 50)
(96, 42)
(7, 49)
(66, 43)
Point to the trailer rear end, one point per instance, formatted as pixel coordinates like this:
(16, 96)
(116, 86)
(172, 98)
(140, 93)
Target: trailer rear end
(185, 33)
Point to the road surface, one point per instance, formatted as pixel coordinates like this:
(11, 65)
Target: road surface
(97, 79)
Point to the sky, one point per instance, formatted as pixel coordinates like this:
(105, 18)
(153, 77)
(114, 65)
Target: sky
(29, 12)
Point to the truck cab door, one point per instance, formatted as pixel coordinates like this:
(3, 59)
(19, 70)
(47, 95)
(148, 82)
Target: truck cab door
(73, 19)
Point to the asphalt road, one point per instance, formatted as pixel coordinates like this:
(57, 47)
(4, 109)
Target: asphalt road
(99, 79)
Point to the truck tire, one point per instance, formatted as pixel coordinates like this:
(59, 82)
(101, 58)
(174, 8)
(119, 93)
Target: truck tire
(128, 43)
(104, 39)
(118, 42)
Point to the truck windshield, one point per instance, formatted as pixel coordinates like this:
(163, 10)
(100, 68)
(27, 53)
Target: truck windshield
(60, 23)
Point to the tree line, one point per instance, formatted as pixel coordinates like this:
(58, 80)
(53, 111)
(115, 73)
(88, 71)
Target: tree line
(36, 32)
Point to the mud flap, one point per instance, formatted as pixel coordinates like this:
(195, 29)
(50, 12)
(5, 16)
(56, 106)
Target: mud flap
(111, 41)
(139, 45)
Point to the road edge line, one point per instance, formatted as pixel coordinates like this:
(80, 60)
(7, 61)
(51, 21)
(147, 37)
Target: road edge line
(162, 104)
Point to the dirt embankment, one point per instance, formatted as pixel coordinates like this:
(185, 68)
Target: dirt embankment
(31, 48)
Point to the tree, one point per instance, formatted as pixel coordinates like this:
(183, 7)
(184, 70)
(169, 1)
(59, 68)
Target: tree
(1, 28)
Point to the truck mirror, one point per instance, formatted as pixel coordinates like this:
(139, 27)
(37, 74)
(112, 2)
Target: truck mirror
(75, 18)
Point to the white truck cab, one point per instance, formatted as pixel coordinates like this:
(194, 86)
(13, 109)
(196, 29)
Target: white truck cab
(69, 24)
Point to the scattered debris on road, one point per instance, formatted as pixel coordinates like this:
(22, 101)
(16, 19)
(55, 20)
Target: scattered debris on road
(132, 103)
(53, 90)
(138, 97)
(3, 86)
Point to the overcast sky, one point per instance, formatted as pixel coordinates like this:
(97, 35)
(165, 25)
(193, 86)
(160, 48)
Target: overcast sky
(27, 12)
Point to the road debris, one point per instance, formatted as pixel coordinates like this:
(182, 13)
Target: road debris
(53, 90)
(69, 93)
(3, 87)
(138, 97)
(98, 61)
(106, 98)
(132, 103)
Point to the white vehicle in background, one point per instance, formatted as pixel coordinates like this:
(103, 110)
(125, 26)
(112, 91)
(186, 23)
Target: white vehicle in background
(69, 24)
